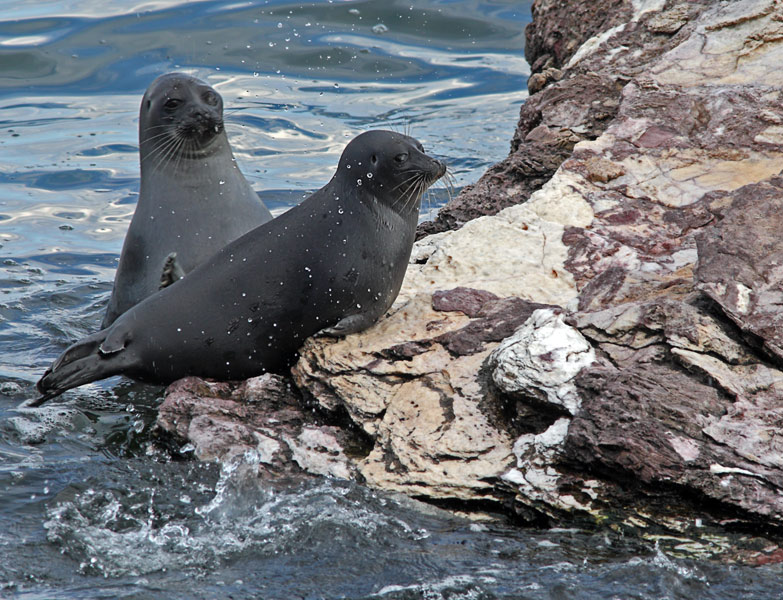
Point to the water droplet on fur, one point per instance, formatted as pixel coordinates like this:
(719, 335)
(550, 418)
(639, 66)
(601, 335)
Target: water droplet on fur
(358, 182)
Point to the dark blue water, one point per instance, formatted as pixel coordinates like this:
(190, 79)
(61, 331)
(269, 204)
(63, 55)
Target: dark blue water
(88, 507)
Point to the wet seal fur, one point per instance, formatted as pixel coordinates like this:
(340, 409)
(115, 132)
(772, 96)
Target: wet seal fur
(193, 198)
(335, 263)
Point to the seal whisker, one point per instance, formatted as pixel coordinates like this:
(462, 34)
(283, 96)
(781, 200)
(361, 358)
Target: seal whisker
(166, 150)
(404, 192)
(415, 196)
(422, 187)
(159, 150)
(159, 147)
(154, 129)
(447, 182)
(164, 157)
(409, 192)
(183, 151)
(415, 174)
(156, 136)
(162, 144)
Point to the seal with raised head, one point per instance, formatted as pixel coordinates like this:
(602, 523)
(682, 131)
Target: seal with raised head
(193, 198)
(334, 263)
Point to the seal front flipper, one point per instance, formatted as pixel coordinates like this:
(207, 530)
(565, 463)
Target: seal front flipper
(172, 271)
(350, 324)
(95, 357)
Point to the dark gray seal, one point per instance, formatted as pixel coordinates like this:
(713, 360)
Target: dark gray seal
(334, 263)
(193, 198)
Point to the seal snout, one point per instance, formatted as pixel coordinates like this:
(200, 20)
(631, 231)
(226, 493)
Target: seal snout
(201, 124)
(439, 169)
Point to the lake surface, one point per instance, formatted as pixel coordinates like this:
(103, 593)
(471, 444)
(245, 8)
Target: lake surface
(88, 508)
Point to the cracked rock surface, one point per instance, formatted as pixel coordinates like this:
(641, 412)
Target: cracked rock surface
(263, 416)
(592, 331)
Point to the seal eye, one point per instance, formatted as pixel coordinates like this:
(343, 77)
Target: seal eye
(172, 103)
(401, 158)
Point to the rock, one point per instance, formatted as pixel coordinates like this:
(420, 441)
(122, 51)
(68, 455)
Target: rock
(591, 335)
(263, 415)
(647, 417)
(535, 479)
(558, 29)
(541, 359)
(654, 183)
(410, 383)
(573, 105)
(740, 263)
(538, 81)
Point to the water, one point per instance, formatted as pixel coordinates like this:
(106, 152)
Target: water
(88, 507)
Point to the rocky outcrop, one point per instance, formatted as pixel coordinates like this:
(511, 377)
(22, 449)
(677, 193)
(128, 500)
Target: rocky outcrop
(263, 416)
(602, 345)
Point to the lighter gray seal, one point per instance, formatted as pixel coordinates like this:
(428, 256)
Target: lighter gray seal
(193, 198)
(333, 264)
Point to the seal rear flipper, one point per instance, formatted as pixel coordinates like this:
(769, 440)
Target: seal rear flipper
(80, 349)
(172, 271)
(95, 357)
(71, 375)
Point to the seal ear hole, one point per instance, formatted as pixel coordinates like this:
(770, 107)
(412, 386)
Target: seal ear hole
(374, 159)
(149, 103)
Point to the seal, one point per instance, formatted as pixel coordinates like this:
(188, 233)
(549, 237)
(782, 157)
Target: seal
(334, 264)
(193, 198)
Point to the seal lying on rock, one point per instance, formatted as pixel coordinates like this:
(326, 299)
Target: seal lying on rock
(193, 198)
(334, 263)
